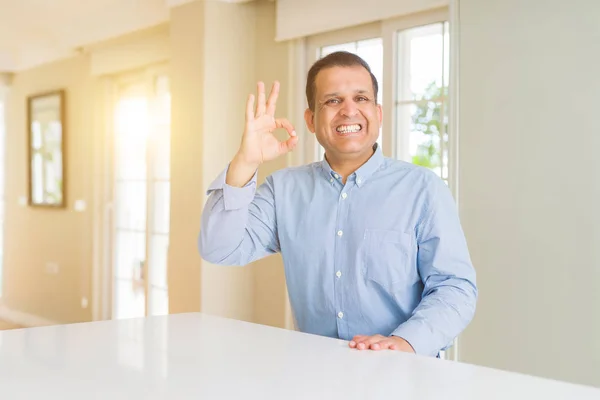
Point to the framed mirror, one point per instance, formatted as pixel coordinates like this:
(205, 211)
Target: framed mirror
(46, 147)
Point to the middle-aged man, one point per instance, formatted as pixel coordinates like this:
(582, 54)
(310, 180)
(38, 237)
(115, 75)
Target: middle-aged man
(373, 249)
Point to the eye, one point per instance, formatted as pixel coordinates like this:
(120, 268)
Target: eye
(362, 98)
(332, 101)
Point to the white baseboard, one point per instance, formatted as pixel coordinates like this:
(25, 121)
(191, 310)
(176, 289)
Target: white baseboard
(23, 319)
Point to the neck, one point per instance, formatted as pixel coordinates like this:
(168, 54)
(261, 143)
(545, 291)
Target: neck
(347, 166)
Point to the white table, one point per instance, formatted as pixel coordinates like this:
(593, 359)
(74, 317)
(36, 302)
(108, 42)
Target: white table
(196, 356)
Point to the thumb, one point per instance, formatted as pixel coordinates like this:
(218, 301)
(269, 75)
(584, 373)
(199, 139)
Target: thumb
(288, 145)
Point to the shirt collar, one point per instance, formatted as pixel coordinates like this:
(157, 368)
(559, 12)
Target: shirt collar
(361, 174)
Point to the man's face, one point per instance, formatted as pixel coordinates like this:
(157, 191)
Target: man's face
(346, 118)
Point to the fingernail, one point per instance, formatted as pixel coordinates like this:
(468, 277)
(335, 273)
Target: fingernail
(293, 133)
(352, 343)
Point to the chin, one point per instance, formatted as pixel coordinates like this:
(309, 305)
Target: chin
(352, 148)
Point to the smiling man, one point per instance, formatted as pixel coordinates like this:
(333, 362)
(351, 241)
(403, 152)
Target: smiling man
(373, 249)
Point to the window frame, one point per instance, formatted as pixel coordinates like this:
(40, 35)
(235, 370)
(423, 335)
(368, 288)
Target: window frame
(390, 29)
(105, 237)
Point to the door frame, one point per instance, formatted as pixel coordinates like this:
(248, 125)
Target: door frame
(104, 215)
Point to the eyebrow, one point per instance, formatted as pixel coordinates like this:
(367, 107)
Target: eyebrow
(335, 94)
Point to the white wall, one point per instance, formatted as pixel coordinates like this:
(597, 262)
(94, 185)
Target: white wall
(298, 18)
(218, 52)
(530, 183)
(229, 68)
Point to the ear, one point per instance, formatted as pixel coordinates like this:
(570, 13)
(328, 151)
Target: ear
(380, 113)
(309, 117)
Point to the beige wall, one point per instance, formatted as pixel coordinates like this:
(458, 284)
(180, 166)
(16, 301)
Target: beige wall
(187, 104)
(73, 240)
(217, 51)
(271, 64)
(229, 61)
(37, 236)
(529, 187)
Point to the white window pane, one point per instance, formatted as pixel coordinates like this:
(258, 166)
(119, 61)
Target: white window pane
(420, 63)
(130, 253)
(351, 47)
(159, 247)
(420, 124)
(131, 205)
(161, 126)
(158, 260)
(132, 116)
(142, 158)
(131, 135)
(162, 154)
(161, 207)
(372, 52)
(130, 158)
(161, 112)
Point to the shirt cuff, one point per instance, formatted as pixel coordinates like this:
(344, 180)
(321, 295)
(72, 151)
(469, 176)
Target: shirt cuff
(234, 198)
(413, 332)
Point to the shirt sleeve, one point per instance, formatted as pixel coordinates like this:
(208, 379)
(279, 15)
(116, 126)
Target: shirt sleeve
(450, 292)
(238, 225)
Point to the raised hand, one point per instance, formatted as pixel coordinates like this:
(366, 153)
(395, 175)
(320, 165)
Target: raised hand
(258, 142)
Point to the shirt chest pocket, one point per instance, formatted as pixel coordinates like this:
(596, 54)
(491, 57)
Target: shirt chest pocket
(388, 258)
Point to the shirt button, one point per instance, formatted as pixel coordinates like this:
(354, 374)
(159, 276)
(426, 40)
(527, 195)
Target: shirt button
(344, 195)
(340, 233)
(338, 274)
(331, 180)
(358, 180)
(336, 176)
(341, 314)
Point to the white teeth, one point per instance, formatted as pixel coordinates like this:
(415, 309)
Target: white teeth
(348, 128)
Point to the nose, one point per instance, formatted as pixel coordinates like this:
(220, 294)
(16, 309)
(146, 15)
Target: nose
(349, 109)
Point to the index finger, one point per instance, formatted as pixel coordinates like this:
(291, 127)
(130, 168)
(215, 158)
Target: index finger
(271, 102)
(285, 124)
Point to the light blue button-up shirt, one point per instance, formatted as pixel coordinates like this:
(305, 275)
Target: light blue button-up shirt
(383, 253)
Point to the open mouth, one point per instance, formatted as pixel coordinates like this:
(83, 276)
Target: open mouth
(348, 129)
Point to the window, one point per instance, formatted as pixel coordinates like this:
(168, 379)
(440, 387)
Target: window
(421, 107)
(141, 199)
